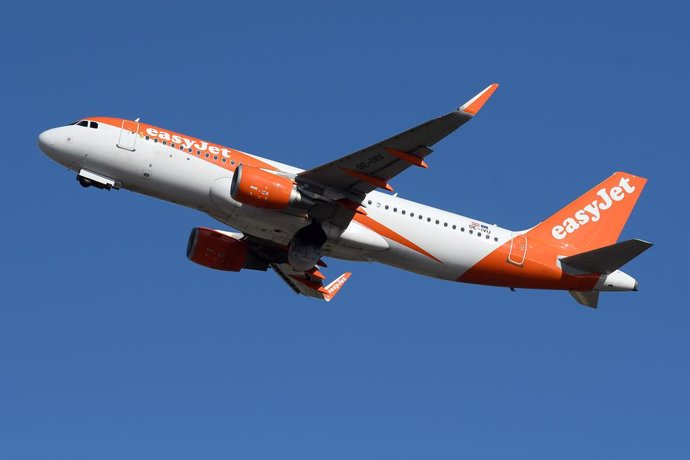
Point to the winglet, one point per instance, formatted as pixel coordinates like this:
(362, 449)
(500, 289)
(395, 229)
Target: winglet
(332, 289)
(474, 105)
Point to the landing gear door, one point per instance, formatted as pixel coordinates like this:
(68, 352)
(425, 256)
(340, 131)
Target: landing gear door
(128, 135)
(518, 250)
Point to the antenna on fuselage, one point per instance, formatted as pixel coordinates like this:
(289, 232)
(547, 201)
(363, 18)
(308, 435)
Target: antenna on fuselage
(137, 120)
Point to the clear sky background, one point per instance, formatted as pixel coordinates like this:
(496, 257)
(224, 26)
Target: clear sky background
(113, 345)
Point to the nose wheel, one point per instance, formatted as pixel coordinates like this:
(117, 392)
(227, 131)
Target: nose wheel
(84, 182)
(91, 179)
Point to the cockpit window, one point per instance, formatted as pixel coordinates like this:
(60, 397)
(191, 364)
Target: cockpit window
(83, 123)
(93, 124)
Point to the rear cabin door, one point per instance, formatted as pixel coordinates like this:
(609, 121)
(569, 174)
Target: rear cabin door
(128, 135)
(518, 250)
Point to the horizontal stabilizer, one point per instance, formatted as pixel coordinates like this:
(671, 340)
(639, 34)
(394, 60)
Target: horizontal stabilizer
(586, 298)
(607, 259)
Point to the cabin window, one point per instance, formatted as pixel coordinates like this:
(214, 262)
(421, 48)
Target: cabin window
(386, 207)
(395, 209)
(411, 214)
(437, 222)
(445, 224)
(454, 227)
(403, 212)
(496, 239)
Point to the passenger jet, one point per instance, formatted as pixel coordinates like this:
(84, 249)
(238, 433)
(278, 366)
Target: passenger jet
(290, 219)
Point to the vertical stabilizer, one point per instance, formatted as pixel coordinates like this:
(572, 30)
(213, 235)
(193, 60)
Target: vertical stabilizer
(595, 219)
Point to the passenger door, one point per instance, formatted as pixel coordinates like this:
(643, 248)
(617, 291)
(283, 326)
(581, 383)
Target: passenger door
(128, 135)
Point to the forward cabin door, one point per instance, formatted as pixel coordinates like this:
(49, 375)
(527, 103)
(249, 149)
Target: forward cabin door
(128, 135)
(518, 250)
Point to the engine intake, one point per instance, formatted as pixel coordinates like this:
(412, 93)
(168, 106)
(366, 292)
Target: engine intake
(256, 187)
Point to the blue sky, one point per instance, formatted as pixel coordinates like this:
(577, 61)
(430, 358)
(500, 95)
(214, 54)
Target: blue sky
(113, 345)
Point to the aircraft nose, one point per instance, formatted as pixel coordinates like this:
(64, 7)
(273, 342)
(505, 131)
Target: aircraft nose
(47, 141)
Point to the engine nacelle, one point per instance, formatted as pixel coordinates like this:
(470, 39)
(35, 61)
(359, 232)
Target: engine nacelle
(256, 187)
(306, 247)
(221, 251)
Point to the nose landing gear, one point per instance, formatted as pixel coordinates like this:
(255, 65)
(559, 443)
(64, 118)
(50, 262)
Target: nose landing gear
(89, 178)
(84, 182)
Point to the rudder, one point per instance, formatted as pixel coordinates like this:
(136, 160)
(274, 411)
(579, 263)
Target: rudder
(595, 219)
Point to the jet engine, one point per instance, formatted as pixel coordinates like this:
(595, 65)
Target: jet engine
(256, 187)
(222, 251)
(305, 248)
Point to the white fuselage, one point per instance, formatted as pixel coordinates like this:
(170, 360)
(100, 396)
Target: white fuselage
(434, 243)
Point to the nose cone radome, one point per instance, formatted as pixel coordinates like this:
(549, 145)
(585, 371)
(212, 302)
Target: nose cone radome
(47, 142)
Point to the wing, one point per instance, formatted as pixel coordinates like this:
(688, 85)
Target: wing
(365, 170)
(310, 283)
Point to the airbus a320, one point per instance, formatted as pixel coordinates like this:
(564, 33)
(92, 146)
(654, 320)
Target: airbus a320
(290, 219)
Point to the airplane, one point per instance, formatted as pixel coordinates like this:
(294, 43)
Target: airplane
(290, 219)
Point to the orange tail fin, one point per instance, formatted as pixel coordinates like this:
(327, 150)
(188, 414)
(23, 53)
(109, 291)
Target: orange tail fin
(595, 219)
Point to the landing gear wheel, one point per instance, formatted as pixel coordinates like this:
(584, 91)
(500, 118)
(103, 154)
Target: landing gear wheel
(84, 182)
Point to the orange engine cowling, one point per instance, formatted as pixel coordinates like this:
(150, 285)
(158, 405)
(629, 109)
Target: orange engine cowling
(256, 187)
(217, 250)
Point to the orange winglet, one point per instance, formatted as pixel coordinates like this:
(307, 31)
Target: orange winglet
(333, 288)
(373, 180)
(329, 291)
(407, 157)
(351, 205)
(474, 105)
